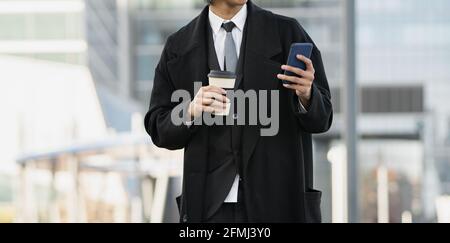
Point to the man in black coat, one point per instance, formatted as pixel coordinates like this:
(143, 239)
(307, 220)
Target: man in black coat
(231, 172)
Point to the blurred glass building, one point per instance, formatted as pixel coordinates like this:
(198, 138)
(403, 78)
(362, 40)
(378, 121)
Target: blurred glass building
(32, 33)
(403, 56)
(50, 30)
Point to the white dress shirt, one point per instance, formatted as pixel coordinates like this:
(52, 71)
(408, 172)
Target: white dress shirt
(219, 36)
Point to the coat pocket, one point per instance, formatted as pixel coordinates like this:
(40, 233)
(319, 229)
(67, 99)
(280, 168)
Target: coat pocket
(312, 206)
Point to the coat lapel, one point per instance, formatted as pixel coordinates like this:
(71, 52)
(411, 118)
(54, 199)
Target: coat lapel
(262, 44)
(191, 62)
(259, 71)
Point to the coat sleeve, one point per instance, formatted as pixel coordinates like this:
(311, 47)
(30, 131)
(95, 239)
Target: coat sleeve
(158, 123)
(319, 115)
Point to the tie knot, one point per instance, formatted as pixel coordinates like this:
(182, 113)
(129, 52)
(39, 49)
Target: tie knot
(228, 26)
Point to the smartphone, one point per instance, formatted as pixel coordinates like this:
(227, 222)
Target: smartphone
(304, 49)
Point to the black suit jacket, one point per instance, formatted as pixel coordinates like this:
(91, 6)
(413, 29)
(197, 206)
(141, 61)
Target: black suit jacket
(277, 171)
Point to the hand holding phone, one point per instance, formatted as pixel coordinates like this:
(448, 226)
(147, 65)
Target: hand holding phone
(299, 73)
(303, 49)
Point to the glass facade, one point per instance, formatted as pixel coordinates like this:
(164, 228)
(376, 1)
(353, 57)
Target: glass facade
(45, 30)
(403, 56)
(102, 37)
(399, 39)
(41, 26)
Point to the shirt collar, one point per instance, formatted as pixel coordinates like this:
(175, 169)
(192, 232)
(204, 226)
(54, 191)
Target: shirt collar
(239, 20)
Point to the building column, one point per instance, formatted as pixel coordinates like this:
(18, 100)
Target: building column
(124, 37)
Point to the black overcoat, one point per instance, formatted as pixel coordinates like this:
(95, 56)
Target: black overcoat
(277, 171)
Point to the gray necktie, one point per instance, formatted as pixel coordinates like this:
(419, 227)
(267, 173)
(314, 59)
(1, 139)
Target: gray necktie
(231, 57)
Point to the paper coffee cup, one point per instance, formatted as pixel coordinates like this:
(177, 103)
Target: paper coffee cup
(224, 80)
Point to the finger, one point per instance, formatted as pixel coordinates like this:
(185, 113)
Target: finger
(288, 78)
(216, 104)
(216, 89)
(295, 70)
(302, 73)
(210, 109)
(303, 82)
(216, 96)
(207, 101)
(307, 61)
(308, 75)
(213, 103)
(295, 80)
(295, 87)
